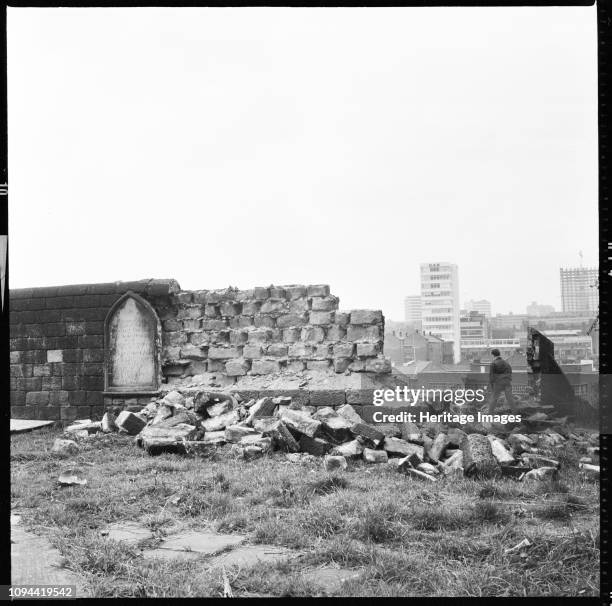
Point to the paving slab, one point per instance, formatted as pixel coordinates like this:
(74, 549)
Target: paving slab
(330, 580)
(21, 425)
(34, 561)
(250, 555)
(194, 544)
(128, 532)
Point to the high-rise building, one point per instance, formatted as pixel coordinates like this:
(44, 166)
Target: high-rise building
(482, 307)
(440, 303)
(578, 290)
(412, 306)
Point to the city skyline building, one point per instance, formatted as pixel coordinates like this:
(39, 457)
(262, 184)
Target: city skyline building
(440, 303)
(412, 310)
(578, 288)
(481, 306)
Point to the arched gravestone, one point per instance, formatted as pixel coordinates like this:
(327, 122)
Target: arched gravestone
(132, 338)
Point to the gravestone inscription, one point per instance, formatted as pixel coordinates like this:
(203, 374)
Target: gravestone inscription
(132, 346)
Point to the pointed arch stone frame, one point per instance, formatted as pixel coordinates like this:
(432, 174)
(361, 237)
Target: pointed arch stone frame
(157, 346)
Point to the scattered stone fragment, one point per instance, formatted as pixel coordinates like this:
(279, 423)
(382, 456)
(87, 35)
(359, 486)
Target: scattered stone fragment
(411, 433)
(428, 468)
(401, 448)
(130, 422)
(265, 408)
(64, 446)
(455, 461)
(214, 437)
(221, 421)
(421, 475)
(108, 423)
(349, 413)
(542, 473)
(72, 477)
(375, 456)
(412, 460)
(89, 426)
(499, 451)
(537, 460)
(455, 437)
(335, 428)
(520, 443)
(349, 450)
(301, 422)
(131, 533)
(282, 438)
(478, 459)
(370, 434)
(335, 462)
(163, 412)
(438, 447)
(155, 439)
(314, 446)
(234, 433)
(248, 451)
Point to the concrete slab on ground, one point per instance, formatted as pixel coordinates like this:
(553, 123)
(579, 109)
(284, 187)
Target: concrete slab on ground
(34, 561)
(21, 425)
(128, 532)
(250, 555)
(193, 544)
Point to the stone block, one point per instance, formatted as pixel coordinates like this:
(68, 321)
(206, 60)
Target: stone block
(313, 334)
(277, 292)
(323, 350)
(260, 293)
(238, 337)
(192, 312)
(324, 303)
(252, 351)
(277, 350)
(291, 335)
(273, 306)
(250, 308)
(369, 434)
(55, 355)
(264, 321)
(224, 353)
(357, 366)
(192, 352)
(37, 398)
(399, 447)
(349, 413)
(265, 367)
(344, 350)
(244, 296)
(327, 397)
(259, 335)
(321, 365)
(230, 308)
(366, 316)
(295, 291)
(215, 324)
(332, 463)
(234, 433)
(130, 422)
(192, 325)
(300, 350)
(374, 456)
(341, 364)
(318, 290)
(237, 367)
(349, 450)
(319, 318)
(296, 365)
(300, 422)
(211, 311)
(299, 306)
(335, 332)
(314, 446)
(365, 350)
(378, 365)
(292, 319)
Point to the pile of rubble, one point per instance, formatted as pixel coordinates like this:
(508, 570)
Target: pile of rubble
(209, 420)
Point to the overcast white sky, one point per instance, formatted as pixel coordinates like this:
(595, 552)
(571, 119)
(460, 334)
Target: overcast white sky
(252, 146)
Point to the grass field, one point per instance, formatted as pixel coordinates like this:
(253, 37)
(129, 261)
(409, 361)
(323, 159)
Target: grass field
(405, 537)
